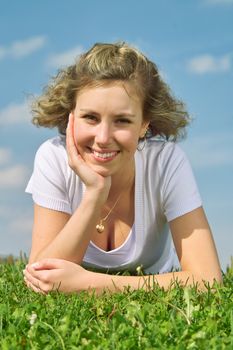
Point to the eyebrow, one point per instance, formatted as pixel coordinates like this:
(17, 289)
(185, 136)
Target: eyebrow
(123, 114)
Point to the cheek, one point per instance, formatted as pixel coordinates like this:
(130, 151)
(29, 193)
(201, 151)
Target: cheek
(79, 133)
(134, 144)
(130, 141)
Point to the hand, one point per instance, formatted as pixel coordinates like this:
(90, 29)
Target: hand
(90, 178)
(57, 275)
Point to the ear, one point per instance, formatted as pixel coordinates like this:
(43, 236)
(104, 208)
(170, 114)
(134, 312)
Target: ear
(144, 128)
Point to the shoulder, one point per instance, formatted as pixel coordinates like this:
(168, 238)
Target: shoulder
(163, 152)
(52, 155)
(52, 148)
(158, 145)
(54, 144)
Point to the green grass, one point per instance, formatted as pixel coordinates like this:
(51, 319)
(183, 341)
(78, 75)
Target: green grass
(175, 319)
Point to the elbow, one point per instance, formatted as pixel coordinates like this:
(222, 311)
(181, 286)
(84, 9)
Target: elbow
(217, 278)
(204, 280)
(32, 259)
(210, 280)
(35, 256)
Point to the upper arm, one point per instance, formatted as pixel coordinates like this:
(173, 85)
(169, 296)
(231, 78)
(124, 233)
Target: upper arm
(47, 224)
(195, 246)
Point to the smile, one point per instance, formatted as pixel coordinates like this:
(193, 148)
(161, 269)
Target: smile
(104, 156)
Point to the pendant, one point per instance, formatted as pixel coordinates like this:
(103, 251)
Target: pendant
(100, 227)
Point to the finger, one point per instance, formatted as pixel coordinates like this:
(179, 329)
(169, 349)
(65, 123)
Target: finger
(70, 134)
(46, 264)
(71, 139)
(37, 284)
(71, 122)
(36, 280)
(72, 130)
(45, 279)
(34, 288)
(72, 151)
(32, 279)
(68, 128)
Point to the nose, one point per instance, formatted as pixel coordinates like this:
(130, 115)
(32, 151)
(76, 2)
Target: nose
(103, 133)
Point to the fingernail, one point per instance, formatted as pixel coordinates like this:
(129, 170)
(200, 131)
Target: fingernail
(35, 265)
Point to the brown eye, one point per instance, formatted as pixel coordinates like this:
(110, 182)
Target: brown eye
(123, 121)
(90, 117)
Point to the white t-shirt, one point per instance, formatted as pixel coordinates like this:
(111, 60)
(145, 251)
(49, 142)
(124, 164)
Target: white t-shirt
(165, 189)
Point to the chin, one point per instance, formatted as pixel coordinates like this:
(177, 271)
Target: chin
(103, 171)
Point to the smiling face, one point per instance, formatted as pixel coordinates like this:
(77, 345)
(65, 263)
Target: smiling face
(107, 125)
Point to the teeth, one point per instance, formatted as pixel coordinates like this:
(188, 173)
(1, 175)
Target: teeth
(104, 155)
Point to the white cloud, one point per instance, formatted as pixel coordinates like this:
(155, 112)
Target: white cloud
(210, 151)
(14, 176)
(3, 52)
(5, 155)
(65, 58)
(209, 64)
(15, 113)
(23, 48)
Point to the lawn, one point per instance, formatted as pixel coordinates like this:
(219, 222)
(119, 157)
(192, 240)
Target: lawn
(181, 318)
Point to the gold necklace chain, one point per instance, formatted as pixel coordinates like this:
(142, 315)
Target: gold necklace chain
(100, 226)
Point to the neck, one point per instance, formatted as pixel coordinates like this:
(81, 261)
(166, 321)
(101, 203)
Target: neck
(122, 182)
(120, 192)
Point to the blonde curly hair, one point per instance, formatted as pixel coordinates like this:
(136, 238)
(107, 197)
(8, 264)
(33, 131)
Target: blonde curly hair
(106, 63)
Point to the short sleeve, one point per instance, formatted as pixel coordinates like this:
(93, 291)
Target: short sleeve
(48, 181)
(179, 190)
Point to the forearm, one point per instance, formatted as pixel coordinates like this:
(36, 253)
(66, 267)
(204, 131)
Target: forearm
(116, 283)
(72, 241)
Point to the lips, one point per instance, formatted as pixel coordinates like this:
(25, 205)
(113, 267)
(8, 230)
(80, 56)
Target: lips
(104, 155)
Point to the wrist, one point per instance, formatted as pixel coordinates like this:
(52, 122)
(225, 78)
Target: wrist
(96, 281)
(95, 196)
(101, 282)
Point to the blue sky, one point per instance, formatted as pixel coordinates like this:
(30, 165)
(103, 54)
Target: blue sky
(192, 44)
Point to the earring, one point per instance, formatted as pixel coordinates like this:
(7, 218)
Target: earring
(142, 141)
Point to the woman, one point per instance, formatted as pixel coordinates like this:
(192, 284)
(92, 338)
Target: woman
(109, 188)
